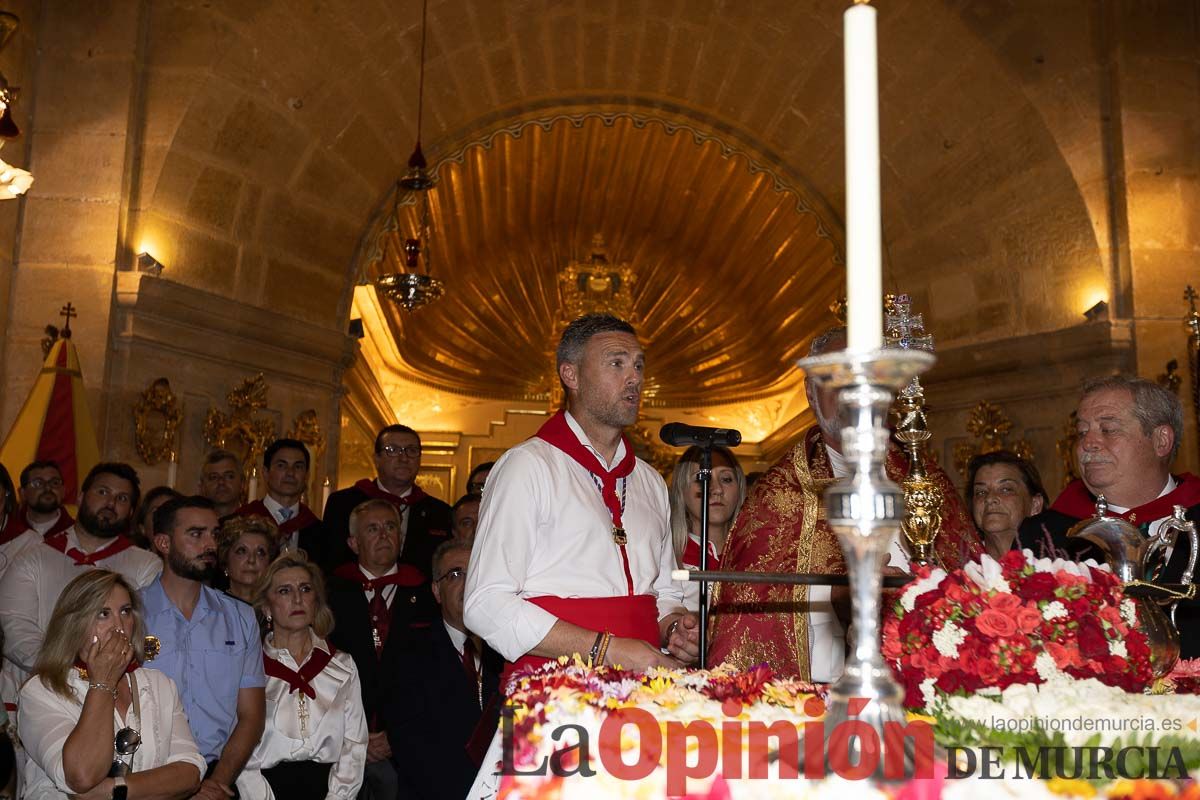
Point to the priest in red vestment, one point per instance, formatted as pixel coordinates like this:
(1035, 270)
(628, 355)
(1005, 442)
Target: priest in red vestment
(800, 630)
(1129, 431)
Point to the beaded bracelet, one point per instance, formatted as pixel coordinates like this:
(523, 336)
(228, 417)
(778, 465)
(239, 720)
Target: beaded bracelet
(604, 648)
(103, 686)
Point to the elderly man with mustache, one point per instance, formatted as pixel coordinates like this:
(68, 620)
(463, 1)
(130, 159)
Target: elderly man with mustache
(1129, 433)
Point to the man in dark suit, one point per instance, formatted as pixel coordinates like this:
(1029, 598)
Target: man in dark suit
(445, 683)
(425, 520)
(376, 602)
(286, 462)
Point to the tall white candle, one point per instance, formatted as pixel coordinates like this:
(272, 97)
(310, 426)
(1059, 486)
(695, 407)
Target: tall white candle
(252, 492)
(864, 282)
(172, 470)
(326, 490)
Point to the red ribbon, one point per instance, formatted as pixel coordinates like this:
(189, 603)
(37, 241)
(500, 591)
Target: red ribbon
(371, 489)
(1076, 501)
(299, 680)
(558, 433)
(304, 518)
(59, 542)
(405, 575)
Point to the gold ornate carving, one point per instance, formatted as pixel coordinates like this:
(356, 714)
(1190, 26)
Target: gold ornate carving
(156, 418)
(242, 430)
(922, 496)
(596, 287)
(990, 425)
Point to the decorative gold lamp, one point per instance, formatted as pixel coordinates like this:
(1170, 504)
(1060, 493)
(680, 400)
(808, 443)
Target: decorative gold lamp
(412, 286)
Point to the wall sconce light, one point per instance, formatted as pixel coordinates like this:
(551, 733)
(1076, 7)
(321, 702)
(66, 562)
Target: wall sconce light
(1097, 313)
(149, 264)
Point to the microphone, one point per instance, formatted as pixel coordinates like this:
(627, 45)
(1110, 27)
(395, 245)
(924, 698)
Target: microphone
(678, 434)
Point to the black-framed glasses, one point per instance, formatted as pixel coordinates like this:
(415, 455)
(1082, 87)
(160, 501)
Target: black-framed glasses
(39, 483)
(393, 450)
(453, 575)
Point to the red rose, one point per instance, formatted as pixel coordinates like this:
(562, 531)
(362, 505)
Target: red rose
(1063, 656)
(1004, 602)
(1028, 619)
(1092, 642)
(1038, 586)
(995, 624)
(1080, 608)
(989, 671)
(956, 594)
(1012, 560)
(951, 681)
(1110, 614)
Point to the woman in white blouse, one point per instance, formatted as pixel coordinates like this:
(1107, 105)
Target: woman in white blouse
(315, 741)
(94, 723)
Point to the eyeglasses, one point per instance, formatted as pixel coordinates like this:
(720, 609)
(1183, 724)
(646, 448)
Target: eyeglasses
(452, 575)
(393, 450)
(38, 483)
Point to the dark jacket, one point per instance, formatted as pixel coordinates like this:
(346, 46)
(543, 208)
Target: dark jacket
(432, 710)
(429, 524)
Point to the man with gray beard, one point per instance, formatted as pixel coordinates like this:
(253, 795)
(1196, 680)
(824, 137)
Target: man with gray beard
(209, 644)
(32, 583)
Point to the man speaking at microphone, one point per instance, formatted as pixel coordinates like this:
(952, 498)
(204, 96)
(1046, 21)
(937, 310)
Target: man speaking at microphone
(573, 549)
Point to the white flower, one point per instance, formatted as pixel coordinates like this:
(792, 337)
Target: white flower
(1117, 648)
(948, 639)
(1053, 610)
(1047, 670)
(1129, 611)
(987, 574)
(908, 600)
(927, 692)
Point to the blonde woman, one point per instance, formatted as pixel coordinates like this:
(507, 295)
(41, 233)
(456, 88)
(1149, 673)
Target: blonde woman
(727, 492)
(91, 712)
(315, 741)
(245, 546)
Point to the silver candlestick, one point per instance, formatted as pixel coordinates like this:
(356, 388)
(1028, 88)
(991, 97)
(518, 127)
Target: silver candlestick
(865, 511)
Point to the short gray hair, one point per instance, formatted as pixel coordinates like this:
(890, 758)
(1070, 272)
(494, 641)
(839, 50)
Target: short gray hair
(444, 549)
(1152, 404)
(576, 335)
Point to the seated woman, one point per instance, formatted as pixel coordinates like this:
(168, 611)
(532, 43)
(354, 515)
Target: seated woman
(315, 741)
(90, 711)
(1002, 490)
(727, 492)
(245, 547)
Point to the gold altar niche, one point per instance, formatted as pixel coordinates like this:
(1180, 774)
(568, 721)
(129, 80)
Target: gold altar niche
(244, 431)
(156, 418)
(990, 426)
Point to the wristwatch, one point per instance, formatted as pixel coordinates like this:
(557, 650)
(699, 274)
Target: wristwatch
(120, 790)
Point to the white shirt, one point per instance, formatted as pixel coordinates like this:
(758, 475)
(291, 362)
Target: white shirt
(544, 530)
(15, 546)
(1152, 528)
(276, 509)
(826, 636)
(335, 731)
(388, 591)
(46, 719)
(30, 588)
(42, 527)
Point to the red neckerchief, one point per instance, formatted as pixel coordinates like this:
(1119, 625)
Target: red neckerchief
(405, 575)
(371, 489)
(1076, 501)
(302, 520)
(83, 670)
(18, 523)
(59, 542)
(558, 433)
(317, 661)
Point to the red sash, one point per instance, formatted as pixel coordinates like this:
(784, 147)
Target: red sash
(59, 542)
(302, 520)
(405, 575)
(558, 433)
(691, 556)
(317, 661)
(630, 617)
(1076, 501)
(371, 489)
(18, 523)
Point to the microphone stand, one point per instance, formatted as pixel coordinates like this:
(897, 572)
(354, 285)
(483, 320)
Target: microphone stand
(705, 478)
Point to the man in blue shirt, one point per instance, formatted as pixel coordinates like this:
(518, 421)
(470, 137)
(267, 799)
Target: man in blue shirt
(210, 644)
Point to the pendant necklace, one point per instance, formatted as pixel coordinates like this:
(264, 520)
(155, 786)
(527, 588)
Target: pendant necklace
(618, 532)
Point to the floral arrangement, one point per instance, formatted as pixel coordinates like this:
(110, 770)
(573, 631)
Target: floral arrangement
(1019, 620)
(1185, 677)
